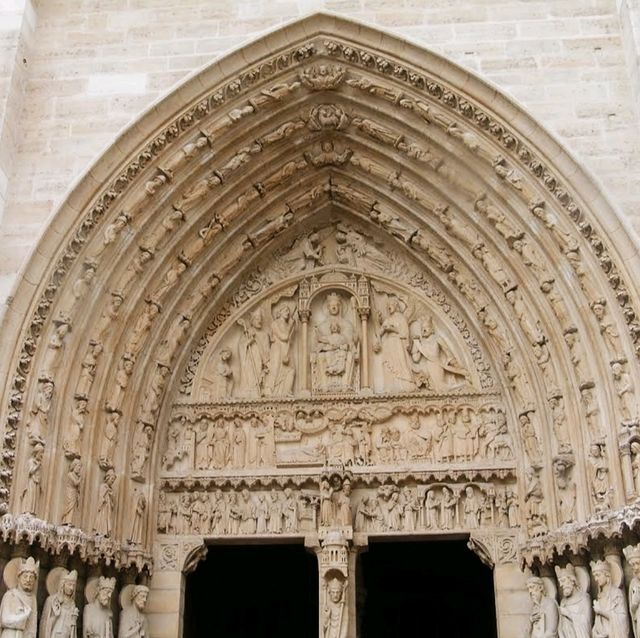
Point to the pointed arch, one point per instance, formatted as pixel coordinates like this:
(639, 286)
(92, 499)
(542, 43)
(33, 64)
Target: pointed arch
(322, 121)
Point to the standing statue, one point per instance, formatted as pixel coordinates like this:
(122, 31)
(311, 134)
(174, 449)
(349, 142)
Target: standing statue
(610, 608)
(133, 622)
(632, 554)
(60, 614)
(19, 607)
(106, 502)
(335, 620)
(575, 604)
(335, 354)
(97, 617)
(393, 347)
(543, 620)
(433, 364)
(253, 354)
(282, 370)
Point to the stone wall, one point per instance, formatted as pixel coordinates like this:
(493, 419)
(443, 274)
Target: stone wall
(74, 73)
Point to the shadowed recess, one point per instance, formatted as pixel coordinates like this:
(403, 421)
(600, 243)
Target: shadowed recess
(242, 591)
(436, 589)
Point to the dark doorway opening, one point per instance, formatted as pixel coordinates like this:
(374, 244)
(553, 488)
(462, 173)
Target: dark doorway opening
(255, 591)
(438, 589)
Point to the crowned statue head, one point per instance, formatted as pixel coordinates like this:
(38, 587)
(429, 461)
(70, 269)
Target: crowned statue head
(28, 574)
(105, 590)
(68, 582)
(334, 304)
(632, 554)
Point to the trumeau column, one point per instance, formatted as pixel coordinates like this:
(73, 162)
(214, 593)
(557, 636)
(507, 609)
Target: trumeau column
(336, 570)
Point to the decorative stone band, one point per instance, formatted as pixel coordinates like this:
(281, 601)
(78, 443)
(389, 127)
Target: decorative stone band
(621, 525)
(93, 549)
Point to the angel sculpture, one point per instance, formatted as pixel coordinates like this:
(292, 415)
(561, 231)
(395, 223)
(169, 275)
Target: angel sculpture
(392, 345)
(434, 365)
(335, 352)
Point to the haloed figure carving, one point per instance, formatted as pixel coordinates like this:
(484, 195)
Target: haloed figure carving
(19, 608)
(97, 617)
(60, 614)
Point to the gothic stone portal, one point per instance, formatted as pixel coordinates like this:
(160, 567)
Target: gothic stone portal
(332, 289)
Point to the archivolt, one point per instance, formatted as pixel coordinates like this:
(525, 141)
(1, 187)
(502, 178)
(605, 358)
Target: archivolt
(165, 235)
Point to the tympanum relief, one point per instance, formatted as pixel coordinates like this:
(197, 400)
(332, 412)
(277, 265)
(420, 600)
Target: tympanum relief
(315, 396)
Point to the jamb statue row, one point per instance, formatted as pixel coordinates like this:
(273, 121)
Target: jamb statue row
(19, 615)
(605, 613)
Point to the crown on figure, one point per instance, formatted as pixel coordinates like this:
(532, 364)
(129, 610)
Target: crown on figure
(632, 551)
(70, 577)
(564, 572)
(106, 583)
(29, 565)
(600, 566)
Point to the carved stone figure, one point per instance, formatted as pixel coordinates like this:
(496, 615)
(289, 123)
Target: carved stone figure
(109, 439)
(567, 491)
(448, 505)
(60, 614)
(39, 412)
(543, 620)
(393, 348)
(33, 489)
(106, 503)
(97, 617)
(335, 354)
(89, 365)
(601, 488)
(141, 448)
(71, 443)
(282, 371)
(223, 384)
(433, 364)
(607, 327)
(335, 611)
(575, 604)
(133, 622)
(534, 498)
(253, 353)
(136, 534)
(610, 608)
(472, 508)
(632, 554)
(72, 492)
(19, 608)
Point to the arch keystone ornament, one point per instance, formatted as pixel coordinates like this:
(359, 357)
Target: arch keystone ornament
(333, 288)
